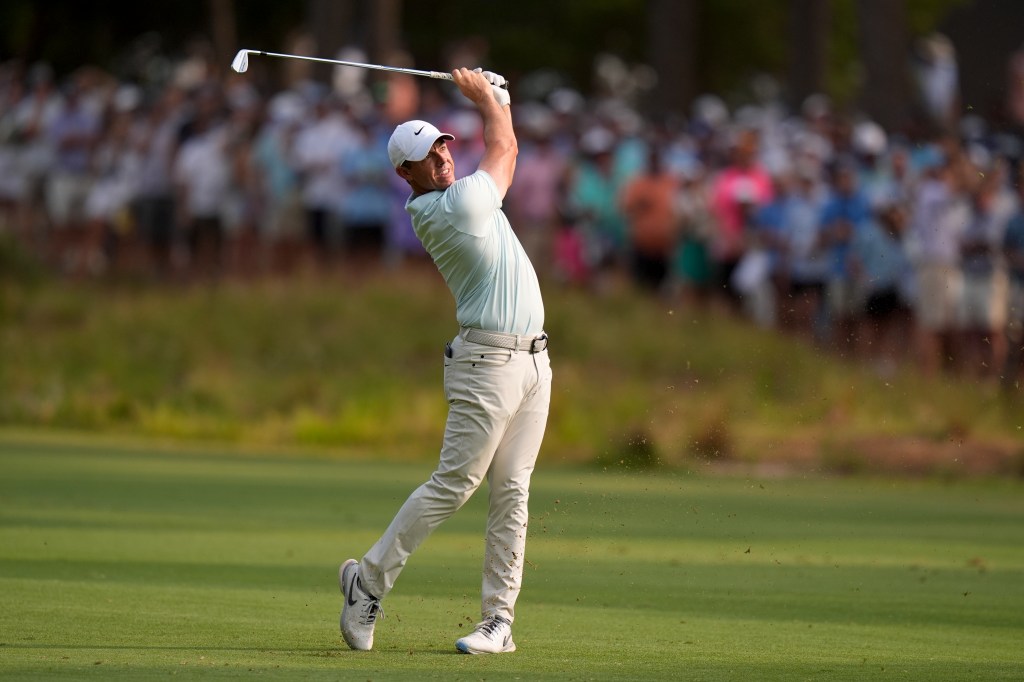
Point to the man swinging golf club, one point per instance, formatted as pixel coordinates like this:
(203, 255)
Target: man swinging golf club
(497, 378)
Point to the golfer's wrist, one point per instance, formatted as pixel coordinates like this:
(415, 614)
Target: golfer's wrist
(501, 96)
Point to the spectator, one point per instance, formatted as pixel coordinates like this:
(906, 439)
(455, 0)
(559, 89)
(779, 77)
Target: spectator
(901, 184)
(737, 192)
(319, 148)
(593, 192)
(983, 303)
(32, 116)
(691, 262)
(534, 197)
(869, 142)
(115, 167)
(155, 141)
(1013, 251)
(882, 272)
(938, 79)
(366, 205)
(569, 265)
(278, 191)
(71, 135)
(648, 204)
(761, 274)
(202, 175)
(843, 216)
(241, 203)
(13, 185)
(938, 215)
(806, 261)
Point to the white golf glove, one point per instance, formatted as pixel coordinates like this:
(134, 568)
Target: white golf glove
(496, 81)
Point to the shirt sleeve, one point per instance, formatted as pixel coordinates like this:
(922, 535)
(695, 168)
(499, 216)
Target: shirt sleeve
(1013, 238)
(830, 212)
(471, 202)
(183, 164)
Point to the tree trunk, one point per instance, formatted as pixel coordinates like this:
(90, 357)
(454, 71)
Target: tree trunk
(375, 27)
(332, 24)
(672, 38)
(386, 21)
(886, 94)
(223, 30)
(809, 31)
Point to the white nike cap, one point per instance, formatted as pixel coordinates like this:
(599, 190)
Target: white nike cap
(412, 141)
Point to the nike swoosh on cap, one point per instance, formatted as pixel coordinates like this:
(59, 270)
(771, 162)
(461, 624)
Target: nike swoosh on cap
(420, 130)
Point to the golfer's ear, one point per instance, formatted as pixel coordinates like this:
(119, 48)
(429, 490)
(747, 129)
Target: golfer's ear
(402, 172)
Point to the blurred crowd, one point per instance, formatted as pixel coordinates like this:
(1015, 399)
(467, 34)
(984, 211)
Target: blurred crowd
(816, 222)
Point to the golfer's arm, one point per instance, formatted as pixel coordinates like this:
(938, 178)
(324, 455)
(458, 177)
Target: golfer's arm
(500, 146)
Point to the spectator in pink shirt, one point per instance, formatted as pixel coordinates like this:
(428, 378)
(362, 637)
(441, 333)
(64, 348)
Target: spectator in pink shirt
(740, 190)
(535, 195)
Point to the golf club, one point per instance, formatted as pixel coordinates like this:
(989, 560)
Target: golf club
(240, 64)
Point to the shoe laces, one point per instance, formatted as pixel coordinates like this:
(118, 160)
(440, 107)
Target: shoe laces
(371, 607)
(489, 625)
(371, 610)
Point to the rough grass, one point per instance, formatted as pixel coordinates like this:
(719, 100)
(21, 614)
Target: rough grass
(353, 362)
(148, 562)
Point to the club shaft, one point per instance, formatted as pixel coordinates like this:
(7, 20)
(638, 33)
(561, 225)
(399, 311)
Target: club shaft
(442, 75)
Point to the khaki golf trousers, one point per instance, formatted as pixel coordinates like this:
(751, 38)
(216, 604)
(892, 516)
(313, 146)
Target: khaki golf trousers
(497, 410)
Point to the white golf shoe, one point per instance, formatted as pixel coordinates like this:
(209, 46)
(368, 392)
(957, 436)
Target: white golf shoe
(493, 635)
(360, 610)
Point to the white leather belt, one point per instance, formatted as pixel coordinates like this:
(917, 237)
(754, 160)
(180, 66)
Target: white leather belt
(516, 342)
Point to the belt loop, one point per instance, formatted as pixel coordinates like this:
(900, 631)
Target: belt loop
(517, 342)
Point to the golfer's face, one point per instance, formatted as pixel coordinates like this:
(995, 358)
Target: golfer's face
(437, 171)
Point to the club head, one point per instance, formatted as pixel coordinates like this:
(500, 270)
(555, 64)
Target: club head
(240, 64)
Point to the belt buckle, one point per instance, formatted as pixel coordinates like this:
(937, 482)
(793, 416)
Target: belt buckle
(538, 344)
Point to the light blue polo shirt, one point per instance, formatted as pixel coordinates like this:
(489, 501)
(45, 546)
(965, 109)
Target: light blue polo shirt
(473, 246)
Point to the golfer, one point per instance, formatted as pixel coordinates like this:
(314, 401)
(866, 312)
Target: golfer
(496, 374)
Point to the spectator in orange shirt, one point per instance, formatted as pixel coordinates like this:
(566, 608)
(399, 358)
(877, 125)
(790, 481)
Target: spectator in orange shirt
(648, 203)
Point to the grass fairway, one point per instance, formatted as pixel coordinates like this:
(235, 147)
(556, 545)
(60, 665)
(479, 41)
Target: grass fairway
(147, 562)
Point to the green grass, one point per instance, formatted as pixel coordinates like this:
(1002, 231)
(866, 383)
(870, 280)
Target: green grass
(150, 561)
(353, 362)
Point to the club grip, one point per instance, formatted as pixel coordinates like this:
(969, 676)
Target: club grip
(444, 75)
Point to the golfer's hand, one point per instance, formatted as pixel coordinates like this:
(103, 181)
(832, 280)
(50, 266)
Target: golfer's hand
(499, 87)
(473, 85)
